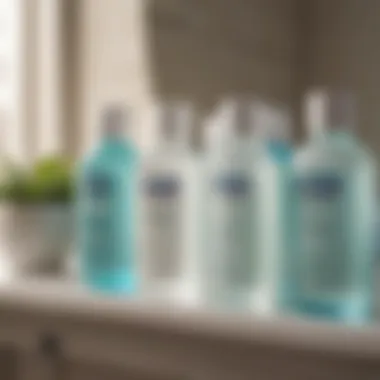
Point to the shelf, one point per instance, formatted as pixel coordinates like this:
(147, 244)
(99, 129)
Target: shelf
(63, 299)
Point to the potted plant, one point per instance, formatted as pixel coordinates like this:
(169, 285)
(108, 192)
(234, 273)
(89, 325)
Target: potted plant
(36, 216)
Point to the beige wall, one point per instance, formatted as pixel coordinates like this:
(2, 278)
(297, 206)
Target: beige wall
(110, 62)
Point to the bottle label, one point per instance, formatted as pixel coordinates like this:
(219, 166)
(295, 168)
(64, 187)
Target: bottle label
(163, 226)
(324, 256)
(231, 230)
(106, 235)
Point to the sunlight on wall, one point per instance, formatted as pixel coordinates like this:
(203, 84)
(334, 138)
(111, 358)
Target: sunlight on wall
(10, 131)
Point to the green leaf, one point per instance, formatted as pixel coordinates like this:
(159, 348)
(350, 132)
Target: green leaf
(48, 181)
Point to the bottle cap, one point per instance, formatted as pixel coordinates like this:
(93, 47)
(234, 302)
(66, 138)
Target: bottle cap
(248, 119)
(234, 120)
(329, 109)
(114, 120)
(173, 121)
(239, 115)
(273, 122)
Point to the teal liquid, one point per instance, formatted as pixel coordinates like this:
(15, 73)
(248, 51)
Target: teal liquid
(106, 217)
(280, 228)
(329, 273)
(280, 151)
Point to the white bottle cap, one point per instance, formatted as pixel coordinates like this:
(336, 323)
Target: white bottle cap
(114, 120)
(240, 115)
(233, 119)
(273, 122)
(173, 122)
(325, 109)
(247, 119)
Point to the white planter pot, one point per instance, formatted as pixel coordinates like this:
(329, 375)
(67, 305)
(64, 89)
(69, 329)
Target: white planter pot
(35, 239)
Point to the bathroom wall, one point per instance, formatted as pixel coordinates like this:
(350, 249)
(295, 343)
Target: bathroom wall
(140, 51)
(110, 62)
(203, 48)
(343, 51)
(198, 49)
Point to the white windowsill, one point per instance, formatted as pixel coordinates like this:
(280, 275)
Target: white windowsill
(60, 298)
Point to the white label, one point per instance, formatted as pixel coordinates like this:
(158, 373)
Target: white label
(163, 226)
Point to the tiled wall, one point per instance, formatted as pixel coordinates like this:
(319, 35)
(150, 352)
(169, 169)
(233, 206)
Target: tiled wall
(195, 49)
(344, 50)
(204, 48)
(199, 49)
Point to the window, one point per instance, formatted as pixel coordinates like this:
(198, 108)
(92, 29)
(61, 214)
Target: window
(31, 78)
(10, 131)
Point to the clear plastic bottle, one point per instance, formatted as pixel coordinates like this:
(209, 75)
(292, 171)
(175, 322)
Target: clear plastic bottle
(275, 179)
(168, 208)
(106, 200)
(274, 129)
(231, 273)
(329, 275)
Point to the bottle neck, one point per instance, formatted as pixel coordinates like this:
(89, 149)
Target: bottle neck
(112, 136)
(280, 150)
(171, 139)
(114, 142)
(331, 115)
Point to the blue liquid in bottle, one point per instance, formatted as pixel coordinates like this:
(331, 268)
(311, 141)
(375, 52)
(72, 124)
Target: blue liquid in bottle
(334, 195)
(275, 179)
(106, 210)
(280, 151)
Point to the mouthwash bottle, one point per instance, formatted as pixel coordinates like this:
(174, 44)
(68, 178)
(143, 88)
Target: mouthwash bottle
(275, 180)
(232, 262)
(106, 209)
(274, 130)
(167, 188)
(334, 193)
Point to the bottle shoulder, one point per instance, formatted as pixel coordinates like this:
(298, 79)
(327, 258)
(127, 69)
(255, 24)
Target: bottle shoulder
(108, 160)
(332, 157)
